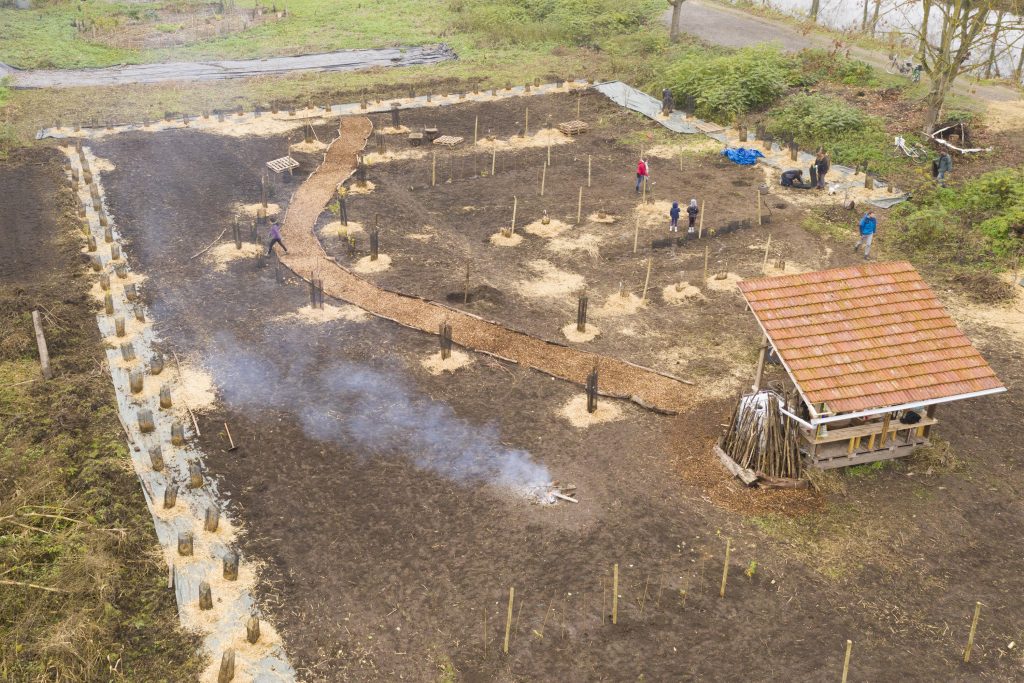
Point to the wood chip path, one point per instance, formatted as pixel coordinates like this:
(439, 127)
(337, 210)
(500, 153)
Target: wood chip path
(618, 378)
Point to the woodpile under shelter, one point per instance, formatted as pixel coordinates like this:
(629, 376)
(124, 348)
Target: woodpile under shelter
(872, 353)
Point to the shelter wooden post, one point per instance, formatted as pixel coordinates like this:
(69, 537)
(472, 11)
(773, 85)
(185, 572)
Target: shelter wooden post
(759, 374)
(926, 431)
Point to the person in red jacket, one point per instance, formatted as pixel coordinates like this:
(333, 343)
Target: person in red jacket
(643, 174)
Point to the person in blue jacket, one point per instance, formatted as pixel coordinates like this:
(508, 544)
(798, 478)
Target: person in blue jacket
(673, 214)
(868, 225)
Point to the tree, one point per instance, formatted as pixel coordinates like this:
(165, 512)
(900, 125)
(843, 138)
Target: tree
(677, 9)
(957, 28)
(815, 8)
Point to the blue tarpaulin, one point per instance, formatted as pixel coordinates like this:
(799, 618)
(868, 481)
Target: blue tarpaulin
(743, 156)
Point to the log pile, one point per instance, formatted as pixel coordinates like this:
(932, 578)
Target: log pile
(762, 439)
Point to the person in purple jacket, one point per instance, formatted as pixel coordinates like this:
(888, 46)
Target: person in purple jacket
(275, 237)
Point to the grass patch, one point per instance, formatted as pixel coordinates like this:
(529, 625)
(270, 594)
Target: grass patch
(85, 595)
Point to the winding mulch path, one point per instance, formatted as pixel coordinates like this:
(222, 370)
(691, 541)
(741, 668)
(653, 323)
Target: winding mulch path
(306, 256)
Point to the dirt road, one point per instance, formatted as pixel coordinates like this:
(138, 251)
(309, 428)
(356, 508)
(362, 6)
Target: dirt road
(732, 27)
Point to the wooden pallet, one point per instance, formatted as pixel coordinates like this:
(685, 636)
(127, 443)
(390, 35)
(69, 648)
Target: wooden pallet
(448, 140)
(283, 164)
(573, 127)
(705, 127)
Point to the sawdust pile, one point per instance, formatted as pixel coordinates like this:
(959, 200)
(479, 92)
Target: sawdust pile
(726, 284)
(550, 281)
(572, 334)
(575, 411)
(499, 240)
(554, 228)
(100, 165)
(311, 147)
(392, 130)
(195, 388)
(226, 253)
(588, 244)
(620, 305)
(680, 292)
(264, 124)
(365, 265)
(542, 138)
(435, 365)
(315, 316)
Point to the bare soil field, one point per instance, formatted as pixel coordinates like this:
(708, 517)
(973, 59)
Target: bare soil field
(390, 506)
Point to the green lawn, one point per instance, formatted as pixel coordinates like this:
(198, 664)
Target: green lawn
(46, 37)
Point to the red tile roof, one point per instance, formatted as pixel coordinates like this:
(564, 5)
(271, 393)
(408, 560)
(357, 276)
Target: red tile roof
(866, 337)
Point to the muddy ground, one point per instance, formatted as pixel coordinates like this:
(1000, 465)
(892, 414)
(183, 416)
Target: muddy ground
(367, 484)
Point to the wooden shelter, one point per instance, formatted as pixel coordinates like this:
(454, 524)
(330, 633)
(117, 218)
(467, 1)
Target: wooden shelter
(872, 352)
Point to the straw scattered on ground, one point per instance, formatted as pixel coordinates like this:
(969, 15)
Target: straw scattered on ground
(311, 147)
(588, 244)
(554, 228)
(250, 210)
(653, 214)
(336, 229)
(575, 411)
(365, 265)
(620, 305)
(572, 334)
(726, 284)
(226, 253)
(542, 138)
(392, 130)
(315, 316)
(366, 188)
(597, 218)
(500, 240)
(435, 365)
(395, 155)
(550, 281)
(680, 292)
(420, 236)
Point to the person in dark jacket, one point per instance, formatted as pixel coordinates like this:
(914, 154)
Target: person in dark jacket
(942, 167)
(673, 215)
(794, 177)
(275, 238)
(821, 165)
(691, 212)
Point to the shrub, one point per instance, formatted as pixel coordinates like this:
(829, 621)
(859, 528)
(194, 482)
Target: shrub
(978, 224)
(818, 65)
(727, 86)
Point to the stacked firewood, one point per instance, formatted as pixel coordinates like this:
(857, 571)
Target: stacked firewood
(761, 438)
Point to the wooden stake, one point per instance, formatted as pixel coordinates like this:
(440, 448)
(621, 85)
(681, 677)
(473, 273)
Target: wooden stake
(680, 158)
(700, 228)
(526, 126)
(549, 154)
(588, 170)
(846, 661)
(725, 567)
(647, 280)
(767, 246)
(636, 233)
(543, 177)
(970, 638)
(515, 204)
(44, 354)
(508, 619)
(494, 156)
(579, 207)
(433, 169)
(579, 98)
(615, 593)
(476, 127)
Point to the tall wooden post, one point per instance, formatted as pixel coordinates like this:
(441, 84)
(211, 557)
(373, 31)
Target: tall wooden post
(759, 374)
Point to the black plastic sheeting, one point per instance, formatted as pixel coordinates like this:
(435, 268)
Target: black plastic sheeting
(344, 60)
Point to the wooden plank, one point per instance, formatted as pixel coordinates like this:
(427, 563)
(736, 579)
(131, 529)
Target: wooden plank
(741, 473)
(885, 429)
(866, 457)
(844, 433)
(44, 354)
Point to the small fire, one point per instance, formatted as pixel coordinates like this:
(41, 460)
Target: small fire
(554, 492)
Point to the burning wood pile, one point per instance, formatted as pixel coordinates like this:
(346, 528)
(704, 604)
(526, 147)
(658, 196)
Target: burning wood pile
(762, 440)
(554, 492)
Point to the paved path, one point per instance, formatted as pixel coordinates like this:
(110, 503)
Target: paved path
(732, 27)
(306, 255)
(344, 60)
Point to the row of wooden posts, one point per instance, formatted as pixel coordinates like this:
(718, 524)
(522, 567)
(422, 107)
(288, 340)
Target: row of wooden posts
(146, 422)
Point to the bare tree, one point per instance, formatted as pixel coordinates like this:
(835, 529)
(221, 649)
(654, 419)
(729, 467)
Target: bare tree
(815, 8)
(959, 27)
(677, 9)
